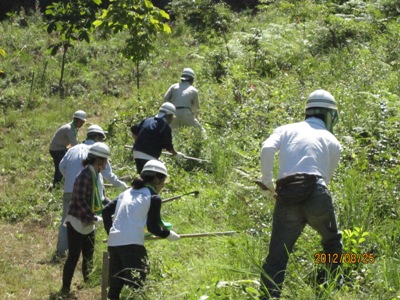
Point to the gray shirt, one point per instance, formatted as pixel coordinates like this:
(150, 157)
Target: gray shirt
(65, 135)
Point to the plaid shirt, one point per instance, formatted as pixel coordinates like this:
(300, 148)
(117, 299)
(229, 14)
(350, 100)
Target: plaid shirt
(79, 207)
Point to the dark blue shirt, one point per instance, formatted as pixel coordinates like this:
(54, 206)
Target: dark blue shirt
(152, 136)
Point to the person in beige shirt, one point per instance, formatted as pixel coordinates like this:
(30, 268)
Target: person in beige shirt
(186, 100)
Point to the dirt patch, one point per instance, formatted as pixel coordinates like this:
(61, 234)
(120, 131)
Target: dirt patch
(26, 265)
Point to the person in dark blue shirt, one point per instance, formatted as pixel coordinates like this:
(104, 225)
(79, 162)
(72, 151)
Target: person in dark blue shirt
(152, 135)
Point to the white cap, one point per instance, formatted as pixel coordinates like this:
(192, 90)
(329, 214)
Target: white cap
(187, 74)
(80, 114)
(96, 129)
(155, 166)
(321, 99)
(100, 149)
(166, 109)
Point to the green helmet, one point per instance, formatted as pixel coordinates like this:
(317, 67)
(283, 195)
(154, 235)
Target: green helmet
(321, 102)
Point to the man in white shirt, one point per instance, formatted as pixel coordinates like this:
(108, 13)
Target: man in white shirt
(308, 156)
(70, 166)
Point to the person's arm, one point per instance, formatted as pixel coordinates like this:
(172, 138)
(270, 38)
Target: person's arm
(168, 95)
(334, 160)
(136, 128)
(167, 144)
(73, 140)
(154, 218)
(267, 157)
(107, 214)
(195, 103)
(112, 178)
(63, 164)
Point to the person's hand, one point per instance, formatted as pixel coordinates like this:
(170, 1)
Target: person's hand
(268, 193)
(179, 155)
(173, 236)
(266, 190)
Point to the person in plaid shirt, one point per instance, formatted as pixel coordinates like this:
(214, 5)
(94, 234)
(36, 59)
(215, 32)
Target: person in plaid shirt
(86, 202)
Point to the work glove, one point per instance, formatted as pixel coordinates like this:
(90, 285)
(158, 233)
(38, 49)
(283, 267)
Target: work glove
(179, 156)
(268, 193)
(267, 190)
(173, 236)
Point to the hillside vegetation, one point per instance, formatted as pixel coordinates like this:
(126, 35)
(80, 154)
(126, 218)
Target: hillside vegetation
(254, 71)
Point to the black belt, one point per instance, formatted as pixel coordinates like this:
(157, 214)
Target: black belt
(181, 107)
(297, 177)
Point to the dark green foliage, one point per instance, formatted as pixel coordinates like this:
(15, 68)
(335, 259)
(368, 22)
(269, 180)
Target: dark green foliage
(205, 17)
(142, 21)
(74, 21)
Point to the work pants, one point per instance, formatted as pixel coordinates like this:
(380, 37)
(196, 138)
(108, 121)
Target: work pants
(289, 221)
(128, 266)
(139, 162)
(78, 243)
(57, 156)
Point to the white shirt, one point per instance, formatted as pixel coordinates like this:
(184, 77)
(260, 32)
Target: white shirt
(304, 147)
(130, 218)
(71, 165)
(78, 225)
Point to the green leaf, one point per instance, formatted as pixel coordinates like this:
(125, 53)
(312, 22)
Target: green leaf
(148, 4)
(84, 36)
(2, 52)
(166, 28)
(53, 50)
(164, 14)
(97, 23)
(51, 28)
(98, 2)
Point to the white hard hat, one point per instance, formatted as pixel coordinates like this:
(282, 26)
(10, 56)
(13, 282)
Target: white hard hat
(100, 149)
(96, 129)
(187, 74)
(166, 109)
(155, 166)
(321, 99)
(80, 114)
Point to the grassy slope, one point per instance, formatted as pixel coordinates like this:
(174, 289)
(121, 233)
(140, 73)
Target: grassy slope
(361, 75)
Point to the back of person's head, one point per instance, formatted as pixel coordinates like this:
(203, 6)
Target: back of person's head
(151, 170)
(322, 105)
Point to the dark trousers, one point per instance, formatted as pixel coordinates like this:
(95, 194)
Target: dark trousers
(289, 221)
(140, 164)
(57, 157)
(128, 266)
(78, 243)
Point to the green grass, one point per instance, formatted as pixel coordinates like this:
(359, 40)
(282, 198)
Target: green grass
(299, 48)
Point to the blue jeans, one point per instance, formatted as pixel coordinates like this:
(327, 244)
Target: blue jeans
(62, 241)
(289, 221)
